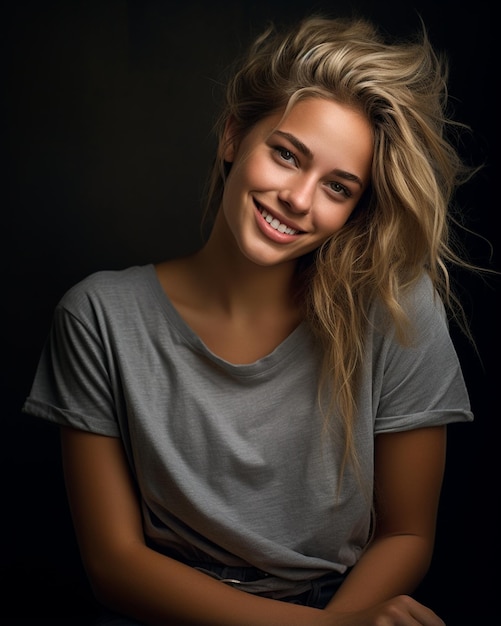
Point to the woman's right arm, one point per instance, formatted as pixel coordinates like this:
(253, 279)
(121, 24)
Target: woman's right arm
(129, 577)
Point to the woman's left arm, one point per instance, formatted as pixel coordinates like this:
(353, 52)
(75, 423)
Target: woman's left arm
(409, 469)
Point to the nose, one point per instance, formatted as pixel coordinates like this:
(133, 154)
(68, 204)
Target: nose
(298, 194)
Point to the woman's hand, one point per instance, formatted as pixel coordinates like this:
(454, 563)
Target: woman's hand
(399, 611)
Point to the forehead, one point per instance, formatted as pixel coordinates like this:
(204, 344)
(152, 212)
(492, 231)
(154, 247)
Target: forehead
(319, 112)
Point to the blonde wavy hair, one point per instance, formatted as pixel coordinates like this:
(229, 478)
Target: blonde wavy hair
(401, 227)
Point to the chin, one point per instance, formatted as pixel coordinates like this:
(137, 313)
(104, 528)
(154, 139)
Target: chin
(271, 260)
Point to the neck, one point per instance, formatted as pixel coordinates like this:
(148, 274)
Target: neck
(230, 280)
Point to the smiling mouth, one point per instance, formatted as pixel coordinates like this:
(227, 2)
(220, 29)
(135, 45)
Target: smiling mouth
(276, 223)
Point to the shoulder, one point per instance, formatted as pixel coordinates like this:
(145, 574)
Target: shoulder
(421, 297)
(108, 307)
(107, 287)
(424, 324)
(110, 299)
(420, 302)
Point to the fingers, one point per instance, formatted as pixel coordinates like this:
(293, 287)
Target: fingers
(399, 611)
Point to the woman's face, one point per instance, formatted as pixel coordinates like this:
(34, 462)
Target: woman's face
(293, 183)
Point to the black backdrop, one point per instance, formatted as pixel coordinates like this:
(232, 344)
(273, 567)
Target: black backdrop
(107, 113)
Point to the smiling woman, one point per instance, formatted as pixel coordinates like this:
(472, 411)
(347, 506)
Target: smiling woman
(259, 428)
(311, 192)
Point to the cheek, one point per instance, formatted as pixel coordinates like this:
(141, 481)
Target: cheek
(333, 219)
(240, 179)
(256, 175)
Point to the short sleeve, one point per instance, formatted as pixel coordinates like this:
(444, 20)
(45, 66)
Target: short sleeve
(421, 384)
(72, 385)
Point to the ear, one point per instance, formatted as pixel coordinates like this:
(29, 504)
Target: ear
(229, 144)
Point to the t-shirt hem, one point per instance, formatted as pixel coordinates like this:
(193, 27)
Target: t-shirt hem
(63, 417)
(422, 420)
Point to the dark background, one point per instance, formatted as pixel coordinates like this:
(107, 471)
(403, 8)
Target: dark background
(107, 115)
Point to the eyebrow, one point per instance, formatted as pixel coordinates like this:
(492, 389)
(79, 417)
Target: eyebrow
(301, 147)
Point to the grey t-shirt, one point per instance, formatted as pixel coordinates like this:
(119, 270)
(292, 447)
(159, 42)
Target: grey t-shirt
(232, 461)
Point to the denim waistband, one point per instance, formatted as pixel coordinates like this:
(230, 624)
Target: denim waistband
(225, 573)
(240, 575)
(315, 592)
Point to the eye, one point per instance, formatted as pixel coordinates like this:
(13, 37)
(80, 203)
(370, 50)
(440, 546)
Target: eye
(285, 154)
(337, 188)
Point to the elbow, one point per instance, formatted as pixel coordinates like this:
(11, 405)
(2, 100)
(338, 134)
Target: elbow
(408, 552)
(115, 576)
(105, 576)
(101, 581)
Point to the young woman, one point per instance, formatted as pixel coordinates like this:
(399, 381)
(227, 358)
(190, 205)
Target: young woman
(255, 435)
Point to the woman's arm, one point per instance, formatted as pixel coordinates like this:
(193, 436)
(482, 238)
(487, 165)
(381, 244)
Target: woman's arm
(131, 578)
(409, 469)
(134, 580)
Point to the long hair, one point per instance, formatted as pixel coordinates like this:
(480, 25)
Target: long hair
(401, 227)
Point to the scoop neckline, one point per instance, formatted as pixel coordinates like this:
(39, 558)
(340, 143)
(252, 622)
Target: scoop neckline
(293, 342)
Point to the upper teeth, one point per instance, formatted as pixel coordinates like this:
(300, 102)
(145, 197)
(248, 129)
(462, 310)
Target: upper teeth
(277, 224)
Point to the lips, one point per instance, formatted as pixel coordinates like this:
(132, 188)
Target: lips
(275, 223)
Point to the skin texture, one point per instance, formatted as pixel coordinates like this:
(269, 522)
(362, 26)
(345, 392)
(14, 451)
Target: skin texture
(240, 286)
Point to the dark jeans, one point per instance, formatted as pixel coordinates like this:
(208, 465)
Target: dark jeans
(318, 595)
